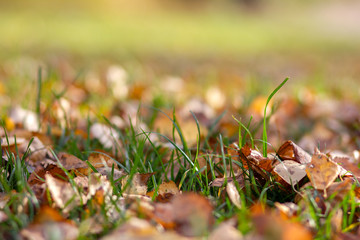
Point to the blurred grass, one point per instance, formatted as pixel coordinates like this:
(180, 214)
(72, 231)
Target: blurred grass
(82, 30)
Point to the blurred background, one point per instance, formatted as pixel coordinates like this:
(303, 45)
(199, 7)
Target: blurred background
(164, 52)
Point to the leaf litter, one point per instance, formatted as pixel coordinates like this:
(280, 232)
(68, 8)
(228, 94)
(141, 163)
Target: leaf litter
(171, 176)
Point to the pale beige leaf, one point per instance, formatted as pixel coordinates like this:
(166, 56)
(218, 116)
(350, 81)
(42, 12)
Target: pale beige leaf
(290, 171)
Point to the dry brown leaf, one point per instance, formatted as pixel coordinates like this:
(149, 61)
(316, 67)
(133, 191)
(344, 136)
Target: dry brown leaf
(164, 215)
(50, 224)
(257, 162)
(336, 221)
(226, 230)
(219, 182)
(295, 231)
(71, 162)
(290, 171)
(8, 144)
(48, 214)
(269, 224)
(233, 194)
(193, 214)
(38, 176)
(166, 191)
(99, 160)
(288, 210)
(339, 190)
(290, 151)
(50, 230)
(322, 171)
(138, 184)
(63, 194)
(135, 228)
(350, 167)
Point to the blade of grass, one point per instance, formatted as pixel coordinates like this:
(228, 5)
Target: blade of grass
(265, 118)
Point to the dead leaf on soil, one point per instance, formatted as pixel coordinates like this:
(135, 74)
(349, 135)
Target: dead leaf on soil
(193, 214)
(290, 151)
(63, 194)
(71, 162)
(226, 230)
(166, 191)
(322, 171)
(38, 176)
(290, 171)
(269, 224)
(339, 190)
(287, 210)
(99, 160)
(50, 224)
(135, 228)
(138, 184)
(257, 162)
(50, 230)
(219, 182)
(233, 194)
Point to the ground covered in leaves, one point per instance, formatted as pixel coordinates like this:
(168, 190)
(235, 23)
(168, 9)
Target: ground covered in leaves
(140, 154)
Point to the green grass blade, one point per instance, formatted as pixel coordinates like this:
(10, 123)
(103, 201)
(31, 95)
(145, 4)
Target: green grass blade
(265, 118)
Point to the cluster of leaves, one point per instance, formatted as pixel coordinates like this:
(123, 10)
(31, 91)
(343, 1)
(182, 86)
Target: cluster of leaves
(174, 177)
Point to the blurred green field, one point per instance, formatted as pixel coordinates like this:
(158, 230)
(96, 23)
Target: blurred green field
(100, 29)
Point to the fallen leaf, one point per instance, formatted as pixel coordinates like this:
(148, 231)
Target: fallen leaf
(322, 171)
(134, 228)
(166, 191)
(63, 194)
(164, 215)
(290, 171)
(336, 221)
(138, 183)
(219, 182)
(192, 214)
(99, 160)
(288, 210)
(50, 230)
(348, 166)
(48, 214)
(71, 162)
(290, 151)
(339, 190)
(38, 176)
(226, 230)
(256, 160)
(233, 194)
(295, 231)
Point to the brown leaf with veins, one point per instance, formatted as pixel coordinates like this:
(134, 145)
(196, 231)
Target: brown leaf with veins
(290, 151)
(322, 171)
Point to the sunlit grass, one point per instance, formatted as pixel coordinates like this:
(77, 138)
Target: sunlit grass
(146, 33)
